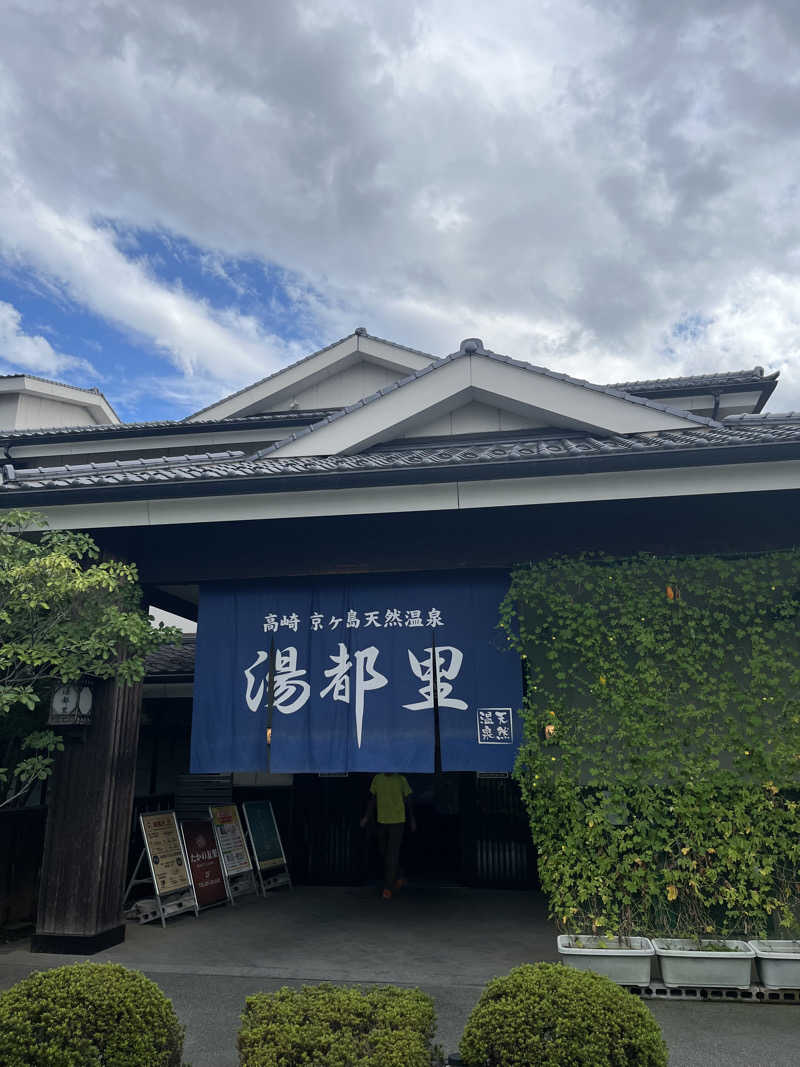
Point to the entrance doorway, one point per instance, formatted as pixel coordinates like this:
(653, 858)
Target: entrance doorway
(471, 831)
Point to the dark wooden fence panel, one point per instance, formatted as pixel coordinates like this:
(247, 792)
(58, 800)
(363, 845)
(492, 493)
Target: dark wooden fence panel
(21, 843)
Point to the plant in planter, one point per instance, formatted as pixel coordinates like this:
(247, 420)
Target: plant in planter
(623, 959)
(662, 799)
(778, 963)
(704, 962)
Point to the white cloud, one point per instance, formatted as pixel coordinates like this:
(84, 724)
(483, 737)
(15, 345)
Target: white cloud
(566, 180)
(20, 351)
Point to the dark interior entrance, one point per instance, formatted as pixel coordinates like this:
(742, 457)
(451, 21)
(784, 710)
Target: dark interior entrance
(471, 831)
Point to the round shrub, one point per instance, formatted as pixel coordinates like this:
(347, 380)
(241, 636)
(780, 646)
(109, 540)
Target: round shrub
(336, 1026)
(88, 1015)
(552, 1015)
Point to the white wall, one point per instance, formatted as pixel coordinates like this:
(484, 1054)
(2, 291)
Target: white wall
(473, 417)
(341, 389)
(41, 412)
(8, 411)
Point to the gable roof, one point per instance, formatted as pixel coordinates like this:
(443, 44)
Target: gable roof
(90, 399)
(665, 417)
(297, 375)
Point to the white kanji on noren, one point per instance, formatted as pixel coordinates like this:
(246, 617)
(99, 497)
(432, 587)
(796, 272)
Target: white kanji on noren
(254, 694)
(316, 620)
(270, 623)
(448, 664)
(290, 691)
(366, 678)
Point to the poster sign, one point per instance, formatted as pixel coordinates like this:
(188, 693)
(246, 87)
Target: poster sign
(160, 831)
(350, 673)
(203, 856)
(230, 839)
(264, 834)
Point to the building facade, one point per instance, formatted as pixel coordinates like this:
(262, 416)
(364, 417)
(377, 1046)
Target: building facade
(385, 477)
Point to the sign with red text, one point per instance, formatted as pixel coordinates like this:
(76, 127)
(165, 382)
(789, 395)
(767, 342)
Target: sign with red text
(204, 862)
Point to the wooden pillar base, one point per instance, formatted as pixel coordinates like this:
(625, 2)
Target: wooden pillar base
(77, 945)
(88, 825)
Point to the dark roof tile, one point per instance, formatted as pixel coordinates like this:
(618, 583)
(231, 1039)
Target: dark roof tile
(753, 432)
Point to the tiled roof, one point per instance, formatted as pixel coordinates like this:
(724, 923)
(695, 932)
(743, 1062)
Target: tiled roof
(763, 418)
(51, 381)
(541, 453)
(172, 659)
(700, 382)
(474, 346)
(359, 332)
(179, 426)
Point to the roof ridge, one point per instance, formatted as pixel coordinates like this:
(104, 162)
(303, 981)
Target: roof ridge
(754, 373)
(178, 424)
(358, 332)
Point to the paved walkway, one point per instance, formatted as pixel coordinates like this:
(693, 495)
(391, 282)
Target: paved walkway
(449, 942)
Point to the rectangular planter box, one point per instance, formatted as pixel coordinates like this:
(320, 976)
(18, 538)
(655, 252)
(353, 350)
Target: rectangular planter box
(628, 966)
(778, 963)
(682, 964)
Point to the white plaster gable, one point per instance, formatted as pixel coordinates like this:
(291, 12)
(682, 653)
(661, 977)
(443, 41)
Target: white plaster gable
(473, 416)
(29, 402)
(336, 376)
(423, 403)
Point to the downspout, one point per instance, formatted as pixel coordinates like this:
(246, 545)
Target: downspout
(715, 412)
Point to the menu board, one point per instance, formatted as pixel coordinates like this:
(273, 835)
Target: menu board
(230, 839)
(201, 850)
(264, 834)
(160, 832)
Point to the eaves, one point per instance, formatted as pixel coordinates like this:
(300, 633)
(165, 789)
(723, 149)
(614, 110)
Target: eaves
(421, 474)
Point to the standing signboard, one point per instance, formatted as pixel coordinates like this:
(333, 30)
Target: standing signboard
(204, 864)
(236, 866)
(265, 840)
(168, 867)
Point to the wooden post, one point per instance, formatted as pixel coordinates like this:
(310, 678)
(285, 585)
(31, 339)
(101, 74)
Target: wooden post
(90, 802)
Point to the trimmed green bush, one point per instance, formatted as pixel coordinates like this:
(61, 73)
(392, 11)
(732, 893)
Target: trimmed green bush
(550, 1015)
(332, 1026)
(88, 1015)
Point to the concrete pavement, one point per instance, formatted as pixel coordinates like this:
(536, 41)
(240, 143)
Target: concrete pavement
(449, 942)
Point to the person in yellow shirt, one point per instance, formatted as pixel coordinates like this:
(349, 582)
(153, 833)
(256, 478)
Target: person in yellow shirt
(391, 795)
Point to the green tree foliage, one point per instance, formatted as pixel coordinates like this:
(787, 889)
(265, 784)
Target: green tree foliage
(550, 1015)
(64, 614)
(334, 1026)
(88, 1015)
(661, 760)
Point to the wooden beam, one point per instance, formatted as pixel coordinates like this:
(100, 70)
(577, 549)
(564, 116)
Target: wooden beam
(86, 842)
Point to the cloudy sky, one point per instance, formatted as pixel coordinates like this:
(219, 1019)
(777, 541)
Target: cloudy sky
(192, 195)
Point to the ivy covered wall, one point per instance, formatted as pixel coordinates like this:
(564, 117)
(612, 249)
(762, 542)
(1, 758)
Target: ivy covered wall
(661, 763)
